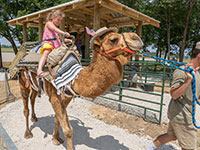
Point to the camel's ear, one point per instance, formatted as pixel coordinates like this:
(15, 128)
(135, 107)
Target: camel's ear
(97, 44)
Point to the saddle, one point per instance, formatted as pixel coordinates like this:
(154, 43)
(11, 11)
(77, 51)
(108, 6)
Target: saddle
(54, 61)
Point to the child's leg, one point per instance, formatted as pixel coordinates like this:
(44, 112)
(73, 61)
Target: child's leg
(42, 61)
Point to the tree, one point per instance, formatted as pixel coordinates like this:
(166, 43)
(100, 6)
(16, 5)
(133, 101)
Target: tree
(10, 9)
(7, 11)
(190, 4)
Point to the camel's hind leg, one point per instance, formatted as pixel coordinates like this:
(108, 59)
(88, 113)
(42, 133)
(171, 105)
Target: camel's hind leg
(32, 97)
(25, 96)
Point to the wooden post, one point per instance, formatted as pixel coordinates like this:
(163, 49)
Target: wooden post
(1, 60)
(139, 28)
(62, 25)
(139, 32)
(96, 24)
(24, 32)
(40, 30)
(87, 39)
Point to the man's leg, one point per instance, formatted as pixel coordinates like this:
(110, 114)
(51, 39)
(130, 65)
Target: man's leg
(163, 139)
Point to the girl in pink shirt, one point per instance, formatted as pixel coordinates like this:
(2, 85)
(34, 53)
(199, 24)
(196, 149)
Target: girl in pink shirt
(51, 30)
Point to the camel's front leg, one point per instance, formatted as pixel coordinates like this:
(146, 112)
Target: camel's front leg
(32, 97)
(56, 136)
(62, 117)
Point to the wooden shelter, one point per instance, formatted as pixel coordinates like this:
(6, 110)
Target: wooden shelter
(91, 13)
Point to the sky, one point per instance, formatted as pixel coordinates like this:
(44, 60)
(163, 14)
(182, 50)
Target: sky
(4, 41)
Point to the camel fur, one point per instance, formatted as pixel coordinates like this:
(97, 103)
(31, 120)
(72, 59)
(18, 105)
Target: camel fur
(92, 81)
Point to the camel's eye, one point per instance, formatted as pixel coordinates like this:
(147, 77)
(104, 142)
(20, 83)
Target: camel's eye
(134, 38)
(114, 40)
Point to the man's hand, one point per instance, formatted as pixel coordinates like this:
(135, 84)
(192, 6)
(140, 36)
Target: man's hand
(188, 74)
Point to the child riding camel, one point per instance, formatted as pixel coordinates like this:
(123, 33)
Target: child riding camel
(51, 30)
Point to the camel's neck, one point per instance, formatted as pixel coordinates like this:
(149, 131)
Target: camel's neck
(98, 77)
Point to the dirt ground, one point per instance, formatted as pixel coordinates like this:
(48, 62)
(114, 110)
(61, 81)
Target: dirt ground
(14, 89)
(132, 124)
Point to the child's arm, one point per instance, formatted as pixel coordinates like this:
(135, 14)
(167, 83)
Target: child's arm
(52, 27)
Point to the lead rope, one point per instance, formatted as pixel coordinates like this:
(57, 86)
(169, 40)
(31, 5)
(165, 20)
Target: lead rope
(193, 84)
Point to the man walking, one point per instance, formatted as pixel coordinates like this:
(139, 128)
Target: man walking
(180, 108)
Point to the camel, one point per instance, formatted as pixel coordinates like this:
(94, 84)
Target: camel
(110, 52)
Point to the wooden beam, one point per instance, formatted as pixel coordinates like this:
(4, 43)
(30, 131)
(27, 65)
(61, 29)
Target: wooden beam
(127, 25)
(120, 18)
(76, 14)
(105, 11)
(118, 8)
(87, 38)
(72, 21)
(96, 18)
(11, 23)
(40, 30)
(32, 24)
(24, 32)
(123, 22)
(91, 13)
(85, 3)
(62, 25)
(139, 29)
(115, 6)
(139, 32)
(122, 25)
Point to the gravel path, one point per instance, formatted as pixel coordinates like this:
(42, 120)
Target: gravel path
(8, 57)
(89, 132)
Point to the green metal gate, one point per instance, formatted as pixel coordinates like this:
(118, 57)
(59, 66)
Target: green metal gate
(139, 87)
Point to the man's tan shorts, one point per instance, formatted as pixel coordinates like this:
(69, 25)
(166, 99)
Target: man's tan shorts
(185, 134)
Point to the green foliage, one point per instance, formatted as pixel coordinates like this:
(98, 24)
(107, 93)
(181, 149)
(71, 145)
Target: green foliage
(168, 12)
(10, 9)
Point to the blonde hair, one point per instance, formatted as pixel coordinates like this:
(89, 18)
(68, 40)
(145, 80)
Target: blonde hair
(54, 14)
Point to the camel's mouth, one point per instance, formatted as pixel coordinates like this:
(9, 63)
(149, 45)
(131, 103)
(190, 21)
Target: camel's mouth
(133, 41)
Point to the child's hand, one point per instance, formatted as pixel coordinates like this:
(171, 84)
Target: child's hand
(67, 41)
(67, 35)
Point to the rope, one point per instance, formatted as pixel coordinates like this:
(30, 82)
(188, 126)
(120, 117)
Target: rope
(195, 100)
(37, 43)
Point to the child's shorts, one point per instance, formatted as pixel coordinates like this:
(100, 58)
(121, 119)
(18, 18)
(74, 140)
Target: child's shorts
(46, 46)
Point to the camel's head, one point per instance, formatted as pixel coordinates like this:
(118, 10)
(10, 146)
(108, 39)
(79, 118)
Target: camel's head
(116, 46)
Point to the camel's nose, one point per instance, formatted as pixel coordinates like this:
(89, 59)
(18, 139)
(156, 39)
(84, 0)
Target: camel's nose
(135, 38)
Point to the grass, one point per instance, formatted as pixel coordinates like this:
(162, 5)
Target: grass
(8, 50)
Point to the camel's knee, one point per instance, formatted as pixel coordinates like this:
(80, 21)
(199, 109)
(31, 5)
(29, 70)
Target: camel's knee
(26, 112)
(68, 133)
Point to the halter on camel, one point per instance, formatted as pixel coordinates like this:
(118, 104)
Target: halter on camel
(121, 47)
(107, 53)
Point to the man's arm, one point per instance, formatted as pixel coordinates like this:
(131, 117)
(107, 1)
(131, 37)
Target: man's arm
(176, 92)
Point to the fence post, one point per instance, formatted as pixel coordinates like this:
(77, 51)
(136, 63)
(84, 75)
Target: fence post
(1, 60)
(162, 93)
(9, 95)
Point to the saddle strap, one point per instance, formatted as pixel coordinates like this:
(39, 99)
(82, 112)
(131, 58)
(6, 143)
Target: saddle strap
(27, 82)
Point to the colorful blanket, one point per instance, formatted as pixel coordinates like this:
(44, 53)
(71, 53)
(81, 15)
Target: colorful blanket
(67, 72)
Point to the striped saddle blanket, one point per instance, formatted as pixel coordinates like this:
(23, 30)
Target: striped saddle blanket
(67, 73)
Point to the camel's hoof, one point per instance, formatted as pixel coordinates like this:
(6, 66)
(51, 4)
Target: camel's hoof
(57, 141)
(28, 135)
(34, 119)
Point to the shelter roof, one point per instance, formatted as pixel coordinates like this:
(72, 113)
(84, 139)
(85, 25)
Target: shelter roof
(112, 13)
